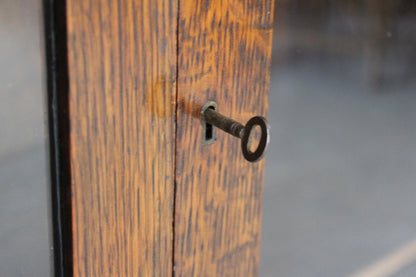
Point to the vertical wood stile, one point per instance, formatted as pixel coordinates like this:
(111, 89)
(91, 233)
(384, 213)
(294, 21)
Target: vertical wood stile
(122, 98)
(224, 50)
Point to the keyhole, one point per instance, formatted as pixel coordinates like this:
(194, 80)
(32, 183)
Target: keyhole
(210, 135)
(208, 132)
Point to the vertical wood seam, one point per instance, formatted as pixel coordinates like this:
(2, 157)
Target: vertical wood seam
(175, 137)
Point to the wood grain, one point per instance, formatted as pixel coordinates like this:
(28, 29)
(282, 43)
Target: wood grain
(122, 92)
(223, 55)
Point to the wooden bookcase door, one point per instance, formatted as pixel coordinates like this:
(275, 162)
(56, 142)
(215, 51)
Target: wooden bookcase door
(138, 193)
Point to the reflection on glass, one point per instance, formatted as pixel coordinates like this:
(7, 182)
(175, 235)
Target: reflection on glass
(24, 179)
(340, 184)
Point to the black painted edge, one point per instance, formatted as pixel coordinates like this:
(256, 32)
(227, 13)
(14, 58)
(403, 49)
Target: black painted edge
(59, 129)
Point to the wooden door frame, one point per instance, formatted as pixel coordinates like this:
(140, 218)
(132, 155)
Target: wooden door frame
(258, 30)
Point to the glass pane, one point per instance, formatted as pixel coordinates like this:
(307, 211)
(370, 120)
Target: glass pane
(24, 176)
(340, 190)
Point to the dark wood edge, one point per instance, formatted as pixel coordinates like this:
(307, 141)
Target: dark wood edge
(59, 129)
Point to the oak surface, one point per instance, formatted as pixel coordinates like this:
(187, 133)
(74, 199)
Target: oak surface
(136, 87)
(122, 91)
(224, 52)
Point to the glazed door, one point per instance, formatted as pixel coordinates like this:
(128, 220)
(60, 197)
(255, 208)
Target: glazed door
(137, 191)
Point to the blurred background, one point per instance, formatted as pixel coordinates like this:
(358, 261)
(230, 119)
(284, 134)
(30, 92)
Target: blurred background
(340, 189)
(24, 177)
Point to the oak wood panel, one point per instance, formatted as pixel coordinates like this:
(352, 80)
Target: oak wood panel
(122, 92)
(224, 52)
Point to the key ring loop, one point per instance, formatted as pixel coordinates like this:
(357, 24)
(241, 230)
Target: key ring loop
(264, 140)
